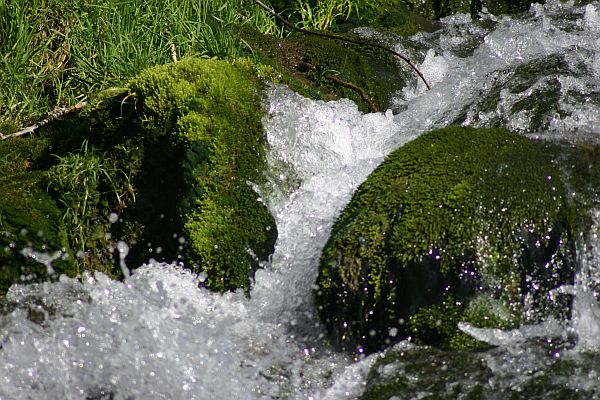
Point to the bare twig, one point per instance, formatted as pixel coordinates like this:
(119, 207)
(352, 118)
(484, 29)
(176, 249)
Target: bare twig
(173, 52)
(343, 39)
(54, 115)
(362, 92)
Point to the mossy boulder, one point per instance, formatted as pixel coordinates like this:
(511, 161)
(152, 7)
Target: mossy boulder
(408, 371)
(460, 224)
(327, 69)
(210, 111)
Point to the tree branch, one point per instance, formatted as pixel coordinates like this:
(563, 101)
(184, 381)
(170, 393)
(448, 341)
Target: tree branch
(54, 115)
(362, 92)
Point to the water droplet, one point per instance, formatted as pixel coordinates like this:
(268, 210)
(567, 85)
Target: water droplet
(113, 218)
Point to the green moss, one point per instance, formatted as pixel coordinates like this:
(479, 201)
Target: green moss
(172, 154)
(453, 212)
(211, 108)
(29, 218)
(315, 67)
(439, 323)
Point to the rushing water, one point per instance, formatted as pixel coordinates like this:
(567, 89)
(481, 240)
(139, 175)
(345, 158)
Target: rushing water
(157, 335)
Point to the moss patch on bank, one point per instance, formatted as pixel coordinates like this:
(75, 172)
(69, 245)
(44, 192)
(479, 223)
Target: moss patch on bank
(30, 221)
(164, 164)
(454, 213)
(326, 69)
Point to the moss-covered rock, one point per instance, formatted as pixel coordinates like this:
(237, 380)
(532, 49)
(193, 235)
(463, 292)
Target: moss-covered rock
(164, 164)
(526, 98)
(410, 371)
(327, 69)
(210, 110)
(459, 224)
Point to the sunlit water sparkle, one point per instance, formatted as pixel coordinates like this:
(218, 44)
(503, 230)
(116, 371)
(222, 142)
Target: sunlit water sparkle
(157, 335)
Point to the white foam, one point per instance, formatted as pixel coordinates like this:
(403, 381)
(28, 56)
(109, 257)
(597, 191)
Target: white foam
(591, 17)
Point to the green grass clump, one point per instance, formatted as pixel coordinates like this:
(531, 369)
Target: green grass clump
(84, 183)
(57, 53)
(451, 213)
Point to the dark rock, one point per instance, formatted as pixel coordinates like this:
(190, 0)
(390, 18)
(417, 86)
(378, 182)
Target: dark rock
(458, 225)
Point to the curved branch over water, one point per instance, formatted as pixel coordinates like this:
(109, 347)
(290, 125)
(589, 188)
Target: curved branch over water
(326, 35)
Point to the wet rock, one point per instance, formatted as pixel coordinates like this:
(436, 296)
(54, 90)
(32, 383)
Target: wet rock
(460, 224)
(409, 371)
(327, 69)
(208, 112)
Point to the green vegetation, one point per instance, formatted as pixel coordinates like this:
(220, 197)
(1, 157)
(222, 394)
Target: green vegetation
(171, 153)
(54, 52)
(82, 181)
(437, 323)
(452, 213)
(177, 128)
(58, 53)
(167, 126)
(29, 219)
(211, 109)
(321, 15)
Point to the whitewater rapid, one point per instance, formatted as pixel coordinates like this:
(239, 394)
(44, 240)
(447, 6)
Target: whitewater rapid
(157, 335)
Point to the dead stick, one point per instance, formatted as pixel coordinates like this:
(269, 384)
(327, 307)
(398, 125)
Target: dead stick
(363, 94)
(325, 35)
(173, 52)
(51, 117)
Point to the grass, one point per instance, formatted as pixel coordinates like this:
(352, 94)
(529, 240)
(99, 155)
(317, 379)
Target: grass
(57, 52)
(82, 180)
(321, 15)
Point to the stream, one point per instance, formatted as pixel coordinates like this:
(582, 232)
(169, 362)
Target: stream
(157, 335)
